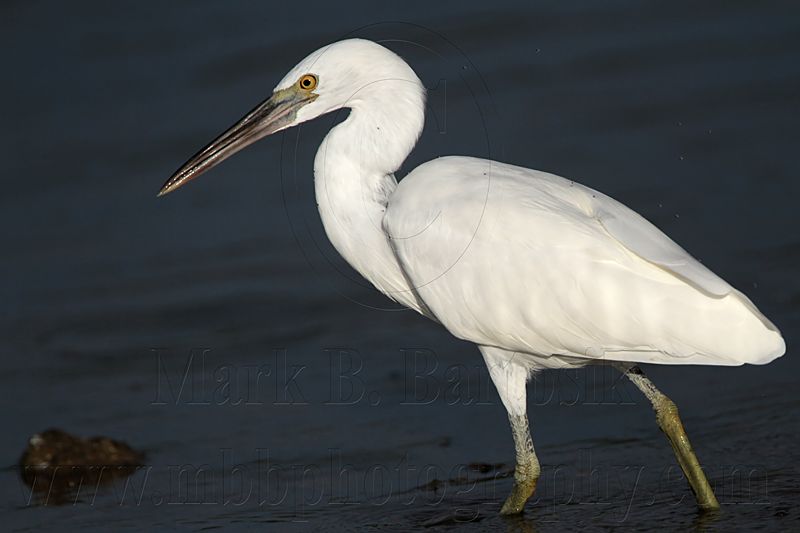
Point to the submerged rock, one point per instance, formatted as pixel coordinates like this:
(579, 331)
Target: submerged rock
(57, 463)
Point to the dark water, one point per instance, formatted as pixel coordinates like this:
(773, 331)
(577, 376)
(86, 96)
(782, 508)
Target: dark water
(269, 386)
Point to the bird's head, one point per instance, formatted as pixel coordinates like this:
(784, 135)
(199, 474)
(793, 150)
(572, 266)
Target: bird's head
(342, 74)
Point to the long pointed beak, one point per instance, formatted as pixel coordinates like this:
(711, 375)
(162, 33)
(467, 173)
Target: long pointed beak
(274, 114)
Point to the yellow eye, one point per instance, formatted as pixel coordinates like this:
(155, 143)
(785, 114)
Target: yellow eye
(308, 82)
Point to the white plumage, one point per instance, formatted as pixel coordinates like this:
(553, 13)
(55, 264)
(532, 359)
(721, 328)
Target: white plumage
(510, 257)
(532, 263)
(538, 271)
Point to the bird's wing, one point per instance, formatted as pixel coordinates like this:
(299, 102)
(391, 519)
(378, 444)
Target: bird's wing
(531, 262)
(641, 237)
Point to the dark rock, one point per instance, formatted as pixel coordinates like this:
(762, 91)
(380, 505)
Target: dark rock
(57, 462)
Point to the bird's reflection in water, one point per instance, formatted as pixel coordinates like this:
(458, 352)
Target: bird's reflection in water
(705, 519)
(520, 524)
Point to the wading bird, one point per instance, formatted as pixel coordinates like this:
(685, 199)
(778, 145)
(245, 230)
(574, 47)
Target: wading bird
(539, 271)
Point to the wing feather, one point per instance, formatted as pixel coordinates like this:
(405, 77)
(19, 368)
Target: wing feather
(638, 235)
(533, 263)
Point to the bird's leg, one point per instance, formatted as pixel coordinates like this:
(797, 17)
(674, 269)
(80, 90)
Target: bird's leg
(670, 423)
(510, 379)
(526, 471)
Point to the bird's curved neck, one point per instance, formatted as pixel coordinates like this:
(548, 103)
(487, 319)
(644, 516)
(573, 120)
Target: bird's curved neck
(354, 177)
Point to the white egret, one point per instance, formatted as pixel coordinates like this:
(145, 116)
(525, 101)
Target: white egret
(539, 271)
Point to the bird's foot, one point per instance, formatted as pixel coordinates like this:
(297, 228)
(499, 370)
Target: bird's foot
(670, 423)
(523, 489)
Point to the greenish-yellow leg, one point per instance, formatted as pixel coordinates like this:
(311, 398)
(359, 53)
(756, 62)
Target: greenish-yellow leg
(526, 471)
(510, 377)
(670, 423)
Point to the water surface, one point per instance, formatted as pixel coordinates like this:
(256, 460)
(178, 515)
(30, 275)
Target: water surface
(268, 384)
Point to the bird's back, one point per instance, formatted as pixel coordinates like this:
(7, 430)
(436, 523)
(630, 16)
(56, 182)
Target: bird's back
(534, 263)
